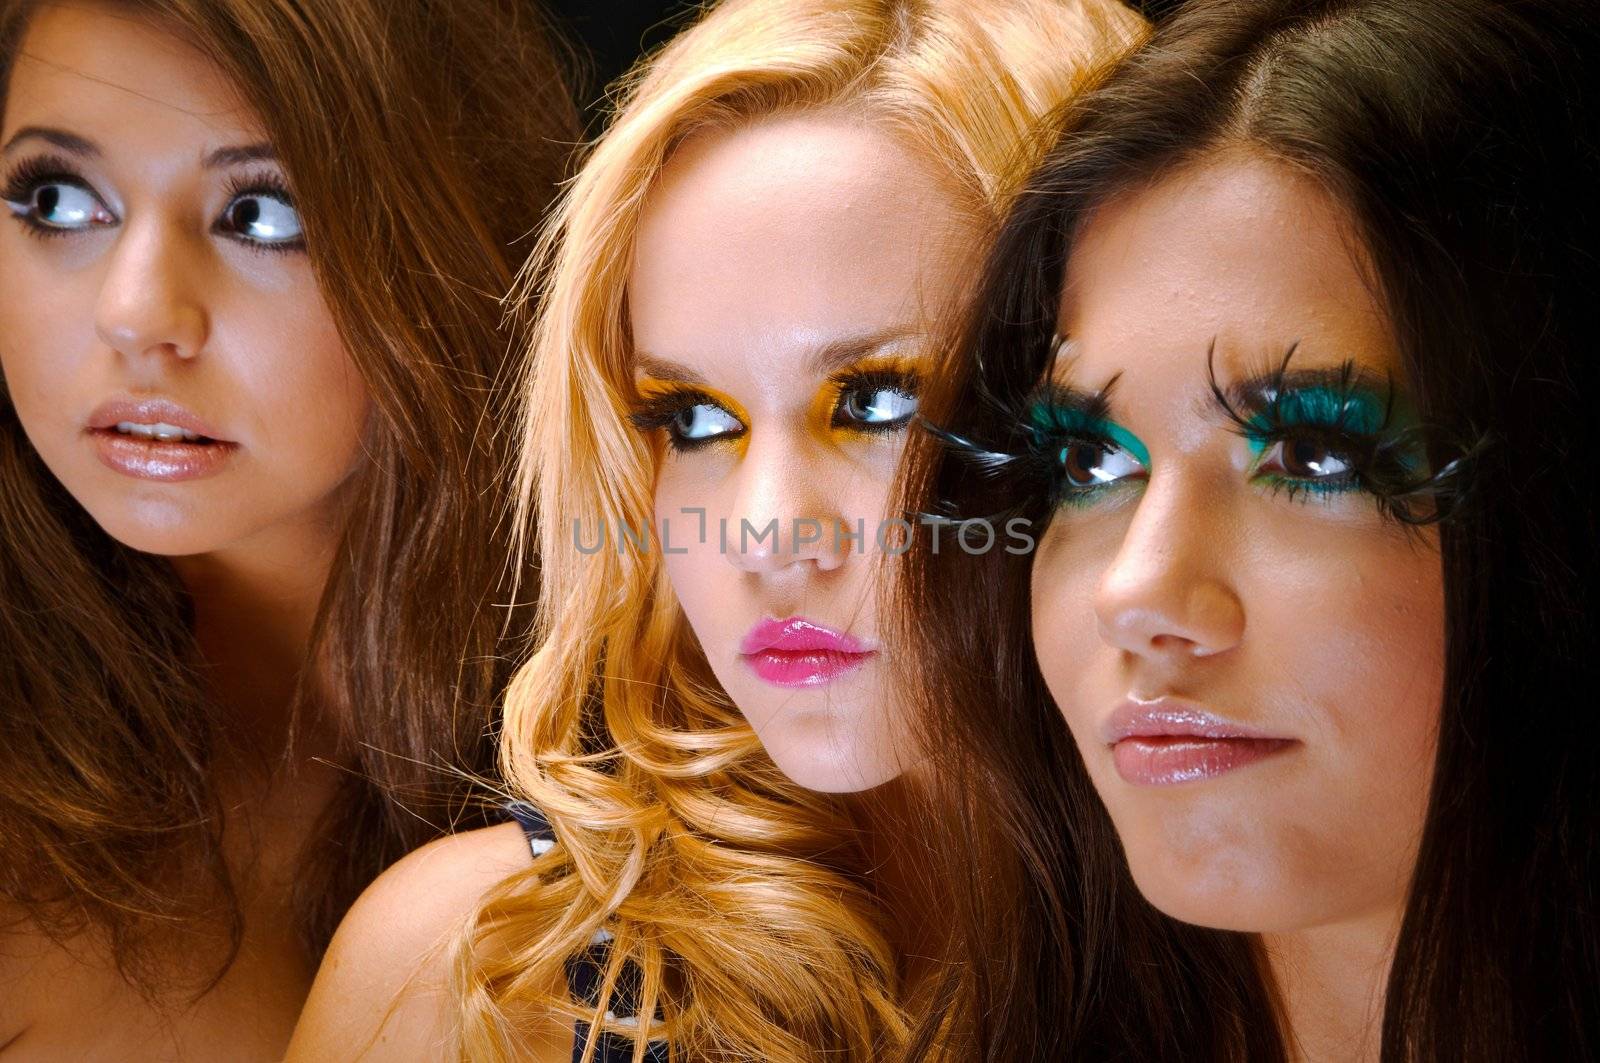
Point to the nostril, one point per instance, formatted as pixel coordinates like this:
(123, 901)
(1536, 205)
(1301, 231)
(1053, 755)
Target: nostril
(1174, 644)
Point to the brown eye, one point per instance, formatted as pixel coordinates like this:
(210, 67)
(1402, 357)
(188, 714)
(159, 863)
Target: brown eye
(262, 218)
(1089, 463)
(66, 207)
(1079, 461)
(1305, 459)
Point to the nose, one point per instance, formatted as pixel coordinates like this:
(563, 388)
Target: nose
(1167, 594)
(150, 303)
(783, 518)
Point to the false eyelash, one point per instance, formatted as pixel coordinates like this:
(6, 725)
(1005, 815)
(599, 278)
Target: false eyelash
(26, 177)
(30, 173)
(264, 183)
(1020, 471)
(1268, 417)
(656, 412)
(1382, 458)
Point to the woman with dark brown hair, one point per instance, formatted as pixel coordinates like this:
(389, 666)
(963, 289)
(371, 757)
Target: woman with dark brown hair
(1286, 359)
(253, 586)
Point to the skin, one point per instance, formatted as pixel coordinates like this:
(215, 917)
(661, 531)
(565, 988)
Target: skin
(383, 991)
(761, 275)
(752, 259)
(153, 301)
(1309, 618)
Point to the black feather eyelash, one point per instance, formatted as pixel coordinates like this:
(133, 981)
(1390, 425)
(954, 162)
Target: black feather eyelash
(1017, 458)
(1385, 460)
(1028, 452)
(1019, 471)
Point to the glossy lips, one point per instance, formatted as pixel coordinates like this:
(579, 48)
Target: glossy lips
(797, 653)
(146, 458)
(1165, 742)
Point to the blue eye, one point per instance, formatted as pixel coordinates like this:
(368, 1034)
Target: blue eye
(880, 406)
(691, 418)
(263, 217)
(61, 206)
(875, 400)
(704, 422)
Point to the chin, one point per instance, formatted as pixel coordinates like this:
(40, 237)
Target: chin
(159, 529)
(1223, 890)
(821, 762)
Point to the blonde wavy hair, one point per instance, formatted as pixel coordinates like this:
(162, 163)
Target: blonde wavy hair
(736, 893)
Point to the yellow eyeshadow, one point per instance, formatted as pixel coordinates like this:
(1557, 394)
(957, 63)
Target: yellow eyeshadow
(908, 366)
(650, 388)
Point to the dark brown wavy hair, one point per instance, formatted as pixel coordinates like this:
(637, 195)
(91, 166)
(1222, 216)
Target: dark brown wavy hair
(423, 141)
(1463, 137)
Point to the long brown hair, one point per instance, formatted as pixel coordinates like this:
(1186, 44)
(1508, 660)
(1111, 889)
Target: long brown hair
(422, 141)
(1462, 136)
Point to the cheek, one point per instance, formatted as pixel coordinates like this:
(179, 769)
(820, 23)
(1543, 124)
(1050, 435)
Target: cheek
(1065, 633)
(308, 400)
(43, 340)
(1361, 632)
(688, 542)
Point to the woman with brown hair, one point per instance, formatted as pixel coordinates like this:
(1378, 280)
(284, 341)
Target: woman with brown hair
(1286, 354)
(738, 298)
(253, 541)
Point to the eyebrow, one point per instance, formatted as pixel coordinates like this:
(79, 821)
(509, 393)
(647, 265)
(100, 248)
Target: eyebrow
(82, 146)
(837, 354)
(661, 369)
(69, 142)
(824, 361)
(224, 157)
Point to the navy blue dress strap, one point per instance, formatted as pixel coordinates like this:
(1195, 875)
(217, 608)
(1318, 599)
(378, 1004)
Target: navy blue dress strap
(586, 972)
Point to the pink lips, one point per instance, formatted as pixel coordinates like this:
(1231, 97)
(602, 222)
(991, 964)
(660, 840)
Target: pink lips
(798, 653)
(152, 459)
(1166, 742)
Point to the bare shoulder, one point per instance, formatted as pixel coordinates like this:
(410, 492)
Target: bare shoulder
(383, 991)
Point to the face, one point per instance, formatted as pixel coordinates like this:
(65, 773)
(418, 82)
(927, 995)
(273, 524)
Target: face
(1248, 654)
(163, 337)
(787, 276)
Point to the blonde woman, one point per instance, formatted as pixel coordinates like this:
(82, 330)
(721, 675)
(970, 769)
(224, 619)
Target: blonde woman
(734, 303)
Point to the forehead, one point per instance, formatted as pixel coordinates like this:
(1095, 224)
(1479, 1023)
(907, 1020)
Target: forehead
(113, 75)
(784, 234)
(1239, 250)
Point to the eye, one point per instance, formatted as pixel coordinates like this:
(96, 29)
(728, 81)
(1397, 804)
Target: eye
(262, 217)
(876, 407)
(1087, 464)
(690, 417)
(704, 422)
(1305, 458)
(875, 401)
(62, 206)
